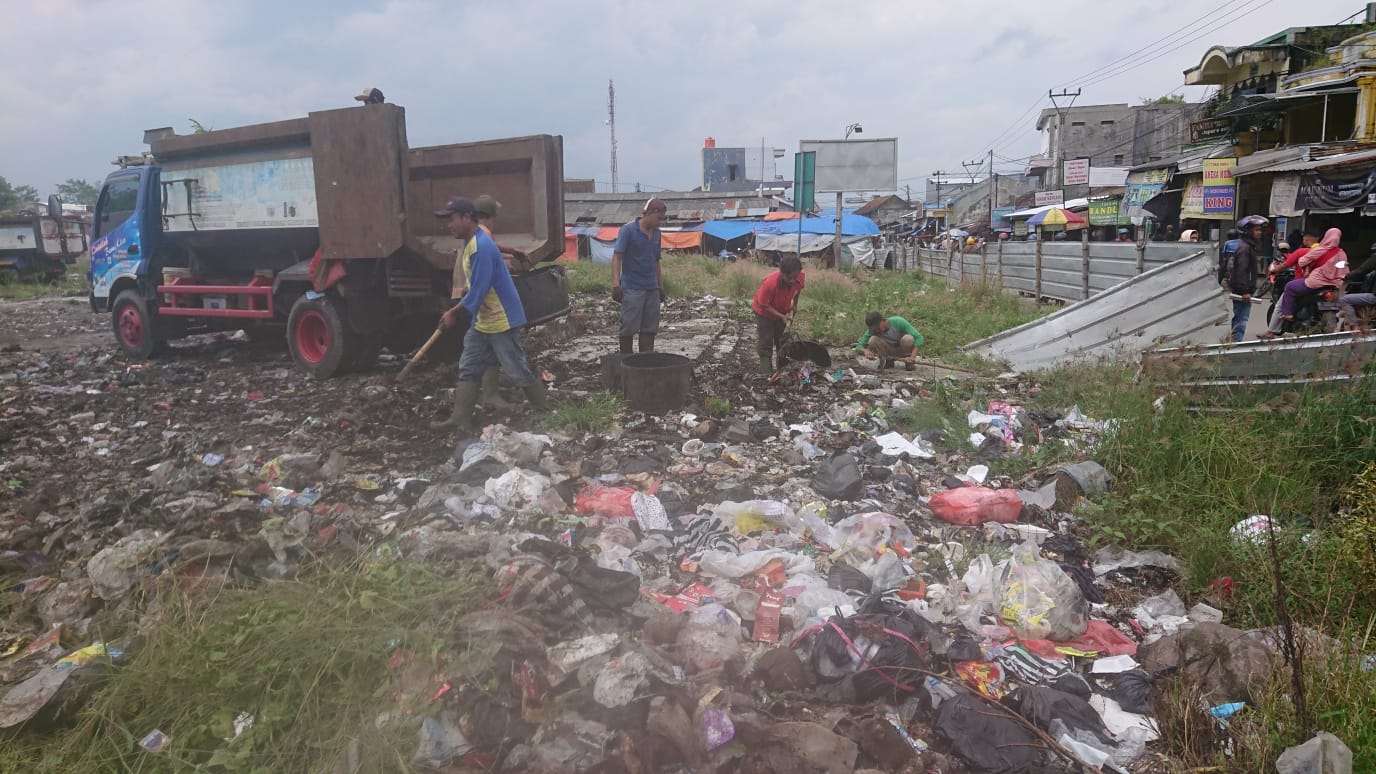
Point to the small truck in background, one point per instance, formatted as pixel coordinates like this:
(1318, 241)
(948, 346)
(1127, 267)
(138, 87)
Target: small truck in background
(38, 242)
(320, 229)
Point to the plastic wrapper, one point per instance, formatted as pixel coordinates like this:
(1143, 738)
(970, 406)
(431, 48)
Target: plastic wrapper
(971, 506)
(1039, 600)
(757, 516)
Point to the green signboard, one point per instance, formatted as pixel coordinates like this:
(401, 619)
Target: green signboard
(1107, 211)
(804, 181)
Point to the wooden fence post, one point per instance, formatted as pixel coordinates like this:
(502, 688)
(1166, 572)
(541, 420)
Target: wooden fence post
(1000, 266)
(984, 264)
(1037, 285)
(1141, 256)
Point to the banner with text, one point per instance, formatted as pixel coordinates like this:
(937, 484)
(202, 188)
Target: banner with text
(1107, 212)
(1220, 188)
(1001, 220)
(1076, 172)
(1043, 198)
(1142, 186)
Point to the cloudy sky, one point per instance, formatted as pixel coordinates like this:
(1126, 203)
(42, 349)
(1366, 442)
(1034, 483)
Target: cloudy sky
(82, 79)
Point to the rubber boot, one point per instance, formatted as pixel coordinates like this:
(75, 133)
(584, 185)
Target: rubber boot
(492, 399)
(647, 342)
(766, 366)
(535, 393)
(886, 363)
(465, 398)
(626, 342)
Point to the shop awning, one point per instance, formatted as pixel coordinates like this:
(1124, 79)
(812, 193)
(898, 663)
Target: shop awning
(1189, 162)
(1257, 104)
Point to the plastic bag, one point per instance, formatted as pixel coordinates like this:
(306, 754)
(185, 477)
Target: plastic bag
(516, 488)
(757, 516)
(839, 478)
(970, 506)
(609, 501)
(861, 535)
(1039, 600)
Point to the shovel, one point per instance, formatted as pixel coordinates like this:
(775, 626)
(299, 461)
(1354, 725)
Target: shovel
(420, 353)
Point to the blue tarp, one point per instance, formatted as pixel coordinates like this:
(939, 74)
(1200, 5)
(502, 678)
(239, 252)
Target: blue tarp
(730, 229)
(851, 225)
(582, 230)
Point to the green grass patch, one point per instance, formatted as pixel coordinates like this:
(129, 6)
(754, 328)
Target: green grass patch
(73, 282)
(593, 414)
(307, 658)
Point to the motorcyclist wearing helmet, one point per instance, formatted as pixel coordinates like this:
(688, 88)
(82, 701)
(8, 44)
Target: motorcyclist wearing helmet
(1240, 275)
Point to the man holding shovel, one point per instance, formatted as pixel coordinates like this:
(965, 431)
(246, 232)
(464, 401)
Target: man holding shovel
(491, 298)
(776, 301)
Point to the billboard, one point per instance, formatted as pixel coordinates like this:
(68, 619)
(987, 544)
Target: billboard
(1001, 220)
(1108, 177)
(1076, 172)
(855, 165)
(1044, 198)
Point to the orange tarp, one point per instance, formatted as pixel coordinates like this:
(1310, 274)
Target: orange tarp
(780, 216)
(680, 240)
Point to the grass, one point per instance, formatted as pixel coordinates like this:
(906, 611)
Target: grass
(594, 414)
(72, 283)
(308, 659)
(833, 305)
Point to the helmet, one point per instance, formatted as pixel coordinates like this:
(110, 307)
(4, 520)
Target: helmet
(1250, 221)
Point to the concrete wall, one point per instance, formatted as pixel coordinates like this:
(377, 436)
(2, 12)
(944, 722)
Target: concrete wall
(1118, 135)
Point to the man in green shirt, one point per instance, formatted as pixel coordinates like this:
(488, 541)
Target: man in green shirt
(889, 338)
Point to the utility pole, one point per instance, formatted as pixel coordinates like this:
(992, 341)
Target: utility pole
(938, 175)
(1060, 124)
(971, 172)
(611, 124)
(993, 192)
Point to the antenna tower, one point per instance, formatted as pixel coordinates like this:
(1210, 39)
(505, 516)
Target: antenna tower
(611, 125)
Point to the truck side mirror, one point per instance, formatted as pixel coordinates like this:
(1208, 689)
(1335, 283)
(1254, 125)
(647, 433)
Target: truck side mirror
(54, 207)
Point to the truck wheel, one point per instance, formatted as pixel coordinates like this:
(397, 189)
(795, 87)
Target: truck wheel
(319, 336)
(133, 326)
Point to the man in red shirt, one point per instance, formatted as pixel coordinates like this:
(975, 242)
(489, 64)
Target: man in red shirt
(776, 301)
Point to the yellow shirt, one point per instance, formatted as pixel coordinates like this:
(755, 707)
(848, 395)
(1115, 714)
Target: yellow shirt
(459, 280)
(491, 317)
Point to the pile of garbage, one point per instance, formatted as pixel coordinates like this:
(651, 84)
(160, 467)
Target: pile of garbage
(798, 585)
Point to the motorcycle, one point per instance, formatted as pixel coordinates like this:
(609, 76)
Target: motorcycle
(1315, 312)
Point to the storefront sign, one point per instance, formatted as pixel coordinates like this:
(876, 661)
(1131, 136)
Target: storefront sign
(1107, 212)
(1211, 130)
(1001, 221)
(1192, 205)
(1076, 172)
(1044, 198)
(1020, 228)
(1335, 190)
(1220, 187)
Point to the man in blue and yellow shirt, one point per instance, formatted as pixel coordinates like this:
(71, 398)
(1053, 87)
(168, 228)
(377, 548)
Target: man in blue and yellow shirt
(491, 298)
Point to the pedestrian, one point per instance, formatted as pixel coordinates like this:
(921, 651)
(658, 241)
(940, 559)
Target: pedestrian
(370, 96)
(1123, 236)
(637, 279)
(1324, 265)
(776, 301)
(888, 339)
(517, 262)
(491, 298)
(1349, 304)
(1240, 274)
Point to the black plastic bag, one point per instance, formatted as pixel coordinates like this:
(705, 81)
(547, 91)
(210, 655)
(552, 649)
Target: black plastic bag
(1042, 704)
(839, 478)
(986, 739)
(1132, 690)
(844, 577)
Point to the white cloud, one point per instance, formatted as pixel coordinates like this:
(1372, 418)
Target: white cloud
(945, 78)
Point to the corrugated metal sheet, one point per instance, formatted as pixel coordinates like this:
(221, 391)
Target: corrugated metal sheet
(1178, 303)
(1259, 369)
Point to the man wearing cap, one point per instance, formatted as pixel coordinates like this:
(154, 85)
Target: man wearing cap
(370, 96)
(637, 282)
(491, 298)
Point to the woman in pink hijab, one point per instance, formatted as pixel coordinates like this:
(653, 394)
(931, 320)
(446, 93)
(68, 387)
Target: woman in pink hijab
(1325, 263)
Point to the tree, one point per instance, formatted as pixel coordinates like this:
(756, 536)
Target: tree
(1169, 99)
(77, 191)
(12, 197)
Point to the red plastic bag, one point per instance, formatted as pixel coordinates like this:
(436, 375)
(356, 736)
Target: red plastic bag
(971, 506)
(1099, 636)
(611, 502)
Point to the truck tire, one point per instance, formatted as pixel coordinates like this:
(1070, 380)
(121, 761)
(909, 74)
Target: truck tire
(134, 327)
(319, 336)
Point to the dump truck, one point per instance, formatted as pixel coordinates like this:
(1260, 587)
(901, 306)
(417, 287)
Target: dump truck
(40, 243)
(320, 229)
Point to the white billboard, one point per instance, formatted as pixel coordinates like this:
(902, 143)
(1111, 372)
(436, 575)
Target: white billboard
(855, 165)
(1108, 177)
(1076, 172)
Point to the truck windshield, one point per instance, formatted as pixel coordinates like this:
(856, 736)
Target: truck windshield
(117, 202)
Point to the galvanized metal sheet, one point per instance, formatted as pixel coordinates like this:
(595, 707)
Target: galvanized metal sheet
(1258, 369)
(1179, 303)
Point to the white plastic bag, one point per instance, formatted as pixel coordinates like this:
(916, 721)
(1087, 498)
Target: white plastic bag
(1039, 600)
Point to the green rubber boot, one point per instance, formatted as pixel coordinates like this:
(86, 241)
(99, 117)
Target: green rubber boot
(766, 365)
(492, 399)
(536, 394)
(465, 398)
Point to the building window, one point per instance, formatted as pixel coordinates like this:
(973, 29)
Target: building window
(1118, 159)
(1077, 123)
(1105, 123)
(732, 172)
